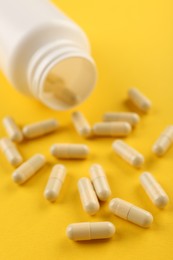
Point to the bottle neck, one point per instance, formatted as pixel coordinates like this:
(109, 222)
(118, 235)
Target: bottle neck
(61, 75)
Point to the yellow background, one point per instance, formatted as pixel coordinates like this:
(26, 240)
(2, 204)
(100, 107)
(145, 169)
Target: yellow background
(132, 44)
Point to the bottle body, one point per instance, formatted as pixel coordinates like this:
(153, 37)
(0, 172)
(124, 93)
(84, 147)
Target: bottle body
(45, 54)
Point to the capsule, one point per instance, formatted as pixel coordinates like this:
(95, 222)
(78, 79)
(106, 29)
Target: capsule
(55, 182)
(14, 132)
(130, 212)
(81, 124)
(88, 197)
(90, 230)
(139, 100)
(164, 142)
(128, 153)
(131, 118)
(70, 151)
(112, 129)
(28, 169)
(40, 128)
(154, 190)
(100, 183)
(57, 86)
(10, 151)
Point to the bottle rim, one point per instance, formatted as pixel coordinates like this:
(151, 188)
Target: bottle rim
(54, 57)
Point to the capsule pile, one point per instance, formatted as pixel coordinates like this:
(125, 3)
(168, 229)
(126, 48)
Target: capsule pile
(95, 189)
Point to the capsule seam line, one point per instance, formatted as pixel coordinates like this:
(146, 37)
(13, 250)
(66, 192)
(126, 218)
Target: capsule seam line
(58, 180)
(30, 164)
(129, 212)
(98, 177)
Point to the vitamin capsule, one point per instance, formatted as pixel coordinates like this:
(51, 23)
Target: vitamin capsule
(81, 124)
(55, 182)
(164, 142)
(130, 212)
(28, 168)
(131, 118)
(11, 152)
(57, 86)
(128, 153)
(100, 182)
(90, 230)
(15, 134)
(139, 100)
(70, 151)
(40, 128)
(88, 197)
(112, 129)
(154, 190)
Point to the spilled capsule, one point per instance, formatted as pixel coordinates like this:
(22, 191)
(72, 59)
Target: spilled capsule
(128, 153)
(87, 196)
(164, 142)
(70, 151)
(40, 128)
(129, 117)
(14, 132)
(139, 100)
(81, 124)
(154, 190)
(55, 182)
(11, 152)
(100, 182)
(112, 129)
(28, 168)
(130, 212)
(90, 230)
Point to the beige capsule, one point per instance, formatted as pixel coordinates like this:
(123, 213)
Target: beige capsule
(154, 190)
(81, 124)
(70, 151)
(90, 230)
(139, 100)
(40, 128)
(28, 168)
(100, 182)
(88, 197)
(164, 142)
(130, 212)
(128, 153)
(11, 152)
(131, 118)
(55, 182)
(112, 129)
(57, 86)
(14, 132)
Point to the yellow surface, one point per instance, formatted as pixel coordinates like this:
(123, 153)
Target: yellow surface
(132, 44)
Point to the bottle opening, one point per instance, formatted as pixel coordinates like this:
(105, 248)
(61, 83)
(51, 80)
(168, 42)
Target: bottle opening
(68, 83)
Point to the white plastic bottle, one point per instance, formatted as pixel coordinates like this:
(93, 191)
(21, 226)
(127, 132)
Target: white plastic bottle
(45, 54)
